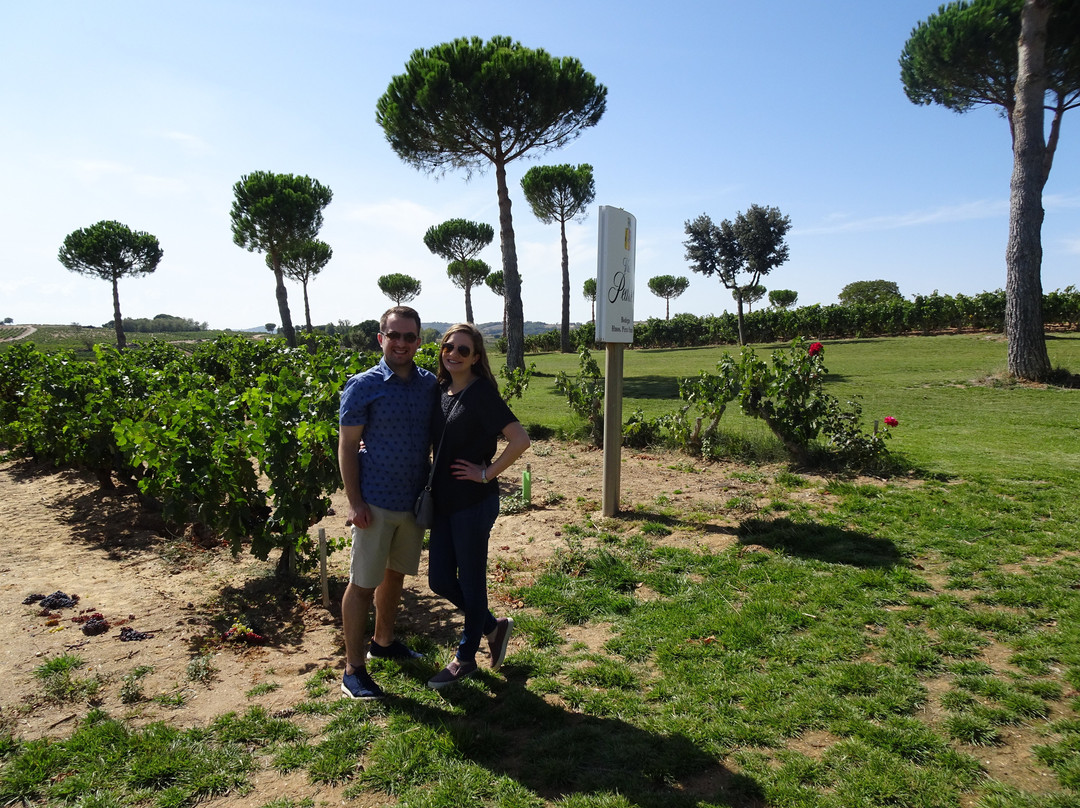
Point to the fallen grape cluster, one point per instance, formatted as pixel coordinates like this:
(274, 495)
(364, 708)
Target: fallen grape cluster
(128, 634)
(92, 624)
(57, 600)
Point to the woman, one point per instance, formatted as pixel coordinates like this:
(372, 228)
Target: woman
(466, 424)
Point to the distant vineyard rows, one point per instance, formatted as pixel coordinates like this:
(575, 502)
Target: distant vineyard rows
(924, 314)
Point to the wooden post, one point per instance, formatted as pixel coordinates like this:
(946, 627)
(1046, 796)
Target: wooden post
(322, 568)
(615, 330)
(613, 394)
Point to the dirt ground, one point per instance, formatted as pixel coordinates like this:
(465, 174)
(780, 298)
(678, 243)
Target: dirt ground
(61, 533)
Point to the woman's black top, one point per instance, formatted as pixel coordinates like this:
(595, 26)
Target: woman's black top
(477, 416)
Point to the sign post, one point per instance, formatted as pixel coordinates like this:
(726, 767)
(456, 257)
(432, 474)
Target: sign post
(615, 329)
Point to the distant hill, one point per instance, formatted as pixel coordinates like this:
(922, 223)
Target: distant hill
(489, 330)
(494, 330)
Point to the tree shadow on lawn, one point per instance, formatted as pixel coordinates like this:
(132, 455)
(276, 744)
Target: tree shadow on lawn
(673, 523)
(811, 540)
(666, 388)
(555, 752)
(653, 387)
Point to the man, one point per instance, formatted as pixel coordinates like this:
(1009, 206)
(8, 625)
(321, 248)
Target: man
(388, 408)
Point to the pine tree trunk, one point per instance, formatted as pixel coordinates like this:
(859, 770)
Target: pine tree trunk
(118, 321)
(738, 309)
(283, 304)
(515, 317)
(1023, 256)
(564, 336)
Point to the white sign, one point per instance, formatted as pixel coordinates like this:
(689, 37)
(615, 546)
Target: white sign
(615, 276)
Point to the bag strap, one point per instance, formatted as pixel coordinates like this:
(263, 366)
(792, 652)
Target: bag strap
(435, 457)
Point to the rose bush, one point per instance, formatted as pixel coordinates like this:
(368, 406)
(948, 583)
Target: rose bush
(787, 393)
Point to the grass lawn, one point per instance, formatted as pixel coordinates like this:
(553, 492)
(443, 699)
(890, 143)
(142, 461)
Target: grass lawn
(954, 418)
(907, 642)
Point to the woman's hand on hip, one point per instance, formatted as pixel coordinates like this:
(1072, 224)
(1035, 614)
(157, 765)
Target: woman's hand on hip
(464, 470)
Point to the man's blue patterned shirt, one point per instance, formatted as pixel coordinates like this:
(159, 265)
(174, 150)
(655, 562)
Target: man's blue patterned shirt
(396, 416)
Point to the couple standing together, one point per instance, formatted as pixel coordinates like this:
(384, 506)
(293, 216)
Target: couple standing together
(390, 418)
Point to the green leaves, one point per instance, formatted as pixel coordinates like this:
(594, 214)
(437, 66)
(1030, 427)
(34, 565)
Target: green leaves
(458, 239)
(273, 213)
(468, 102)
(787, 393)
(966, 56)
(110, 250)
(585, 394)
(559, 193)
(399, 287)
(200, 432)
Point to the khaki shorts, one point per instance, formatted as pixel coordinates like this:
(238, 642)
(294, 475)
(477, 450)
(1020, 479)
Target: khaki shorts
(391, 541)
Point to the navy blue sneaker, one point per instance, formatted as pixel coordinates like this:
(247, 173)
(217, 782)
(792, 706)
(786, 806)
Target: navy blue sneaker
(360, 685)
(395, 650)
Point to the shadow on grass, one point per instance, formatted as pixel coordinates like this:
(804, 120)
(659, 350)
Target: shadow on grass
(268, 605)
(820, 542)
(559, 754)
(653, 387)
(543, 744)
(646, 518)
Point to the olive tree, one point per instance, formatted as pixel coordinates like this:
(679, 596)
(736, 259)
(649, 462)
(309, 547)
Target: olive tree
(110, 250)
(739, 253)
(459, 241)
(668, 287)
(276, 213)
(560, 194)
(1022, 56)
(472, 104)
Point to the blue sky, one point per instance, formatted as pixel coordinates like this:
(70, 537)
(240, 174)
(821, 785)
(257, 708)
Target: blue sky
(148, 113)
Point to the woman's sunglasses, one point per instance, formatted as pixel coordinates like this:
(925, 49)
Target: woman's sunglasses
(463, 350)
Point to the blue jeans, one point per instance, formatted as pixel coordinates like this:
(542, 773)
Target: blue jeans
(457, 568)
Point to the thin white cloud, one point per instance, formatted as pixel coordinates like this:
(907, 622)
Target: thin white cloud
(393, 215)
(159, 187)
(1060, 201)
(109, 174)
(95, 170)
(1071, 246)
(971, 211)
(192, 143)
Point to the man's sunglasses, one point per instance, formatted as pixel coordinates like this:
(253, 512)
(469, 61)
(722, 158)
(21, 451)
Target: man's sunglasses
(463, 350)
(394, 336)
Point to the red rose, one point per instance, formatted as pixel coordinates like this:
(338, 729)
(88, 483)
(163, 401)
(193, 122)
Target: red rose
(890, 421)
(815, 349)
